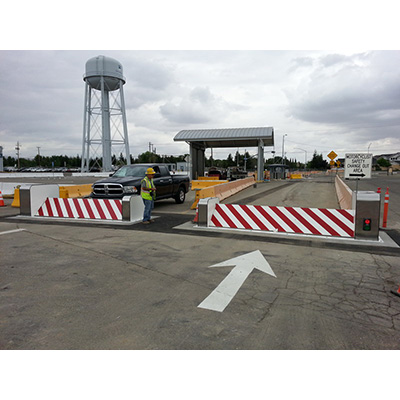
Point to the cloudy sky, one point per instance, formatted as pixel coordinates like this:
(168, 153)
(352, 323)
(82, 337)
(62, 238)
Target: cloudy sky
(342, 100)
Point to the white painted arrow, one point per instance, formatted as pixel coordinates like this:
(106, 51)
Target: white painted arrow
(226, 290)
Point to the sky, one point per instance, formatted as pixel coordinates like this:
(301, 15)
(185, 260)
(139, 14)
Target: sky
(322, 100)
(221, 65)
(193, 65)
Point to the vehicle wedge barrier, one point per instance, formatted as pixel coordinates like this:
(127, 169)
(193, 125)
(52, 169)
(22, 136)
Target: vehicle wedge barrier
(309, 221)
(81, 208)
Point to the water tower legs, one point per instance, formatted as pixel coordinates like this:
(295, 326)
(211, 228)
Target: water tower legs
(110, 131)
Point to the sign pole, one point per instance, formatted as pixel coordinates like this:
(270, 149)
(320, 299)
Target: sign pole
(357, 186)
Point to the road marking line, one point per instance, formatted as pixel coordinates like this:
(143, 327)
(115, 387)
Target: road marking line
(13, 231)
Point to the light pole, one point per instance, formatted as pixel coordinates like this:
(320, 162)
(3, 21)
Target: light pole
(283, 147)
(305, 157)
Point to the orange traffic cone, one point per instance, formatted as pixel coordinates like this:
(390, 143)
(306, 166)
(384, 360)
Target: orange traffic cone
(1, 200)
(396, 293)
(196, 218)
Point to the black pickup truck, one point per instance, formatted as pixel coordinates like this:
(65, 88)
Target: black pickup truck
(126, 181)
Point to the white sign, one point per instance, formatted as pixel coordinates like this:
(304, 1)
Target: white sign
(358, 166)
(226, 290)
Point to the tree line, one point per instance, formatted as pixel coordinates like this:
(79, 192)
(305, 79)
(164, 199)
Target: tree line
(244, 160)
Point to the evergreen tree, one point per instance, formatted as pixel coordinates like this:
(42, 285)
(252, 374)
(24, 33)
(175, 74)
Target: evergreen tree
(317, 162)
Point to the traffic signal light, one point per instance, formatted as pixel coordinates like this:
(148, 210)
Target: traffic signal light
(367, 224)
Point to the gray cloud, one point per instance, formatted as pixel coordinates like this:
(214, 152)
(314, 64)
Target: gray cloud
(147, 80)
(301, 62)
(355, 92)
(309, 95)
(197, 107)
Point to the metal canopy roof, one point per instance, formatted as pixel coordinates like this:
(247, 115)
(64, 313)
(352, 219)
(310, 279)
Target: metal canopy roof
(233, 137)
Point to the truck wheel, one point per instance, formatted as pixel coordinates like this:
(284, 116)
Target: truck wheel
(180, 197)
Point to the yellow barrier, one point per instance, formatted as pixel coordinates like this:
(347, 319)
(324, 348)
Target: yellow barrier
(16, 202)
(224, 190)
(205, 183)
(75, 191)
(296, 176)
(208, 178)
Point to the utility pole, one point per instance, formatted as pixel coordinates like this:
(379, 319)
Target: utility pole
(305, 157)
(283, 147)
(38, 152)
(18, 147)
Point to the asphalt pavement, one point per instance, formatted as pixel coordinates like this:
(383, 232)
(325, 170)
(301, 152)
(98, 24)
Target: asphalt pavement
(67, 285)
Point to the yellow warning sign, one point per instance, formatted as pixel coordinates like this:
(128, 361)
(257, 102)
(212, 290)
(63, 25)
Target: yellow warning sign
(332, 155)
(332, 162)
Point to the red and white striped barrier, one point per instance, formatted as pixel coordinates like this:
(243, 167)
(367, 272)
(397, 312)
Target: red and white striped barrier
(311, 221)
(81, 208)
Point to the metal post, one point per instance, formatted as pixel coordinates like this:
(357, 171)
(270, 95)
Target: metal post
(260, 161)
(126, 139)
(84, 140)
(89, 129)
(106, 137)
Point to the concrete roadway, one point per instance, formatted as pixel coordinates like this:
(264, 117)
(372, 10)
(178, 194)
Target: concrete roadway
(92, 286)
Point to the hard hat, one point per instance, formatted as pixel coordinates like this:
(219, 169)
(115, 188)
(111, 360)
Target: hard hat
(150, 171)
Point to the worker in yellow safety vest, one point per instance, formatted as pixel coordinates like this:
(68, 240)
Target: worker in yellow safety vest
(148, 193)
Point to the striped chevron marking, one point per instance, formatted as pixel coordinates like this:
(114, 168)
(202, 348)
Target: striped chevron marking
(81, 208)
(311, 221)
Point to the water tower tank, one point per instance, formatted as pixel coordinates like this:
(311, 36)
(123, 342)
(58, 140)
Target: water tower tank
(106, 67)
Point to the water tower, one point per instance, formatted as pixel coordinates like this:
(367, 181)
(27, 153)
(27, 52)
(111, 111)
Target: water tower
(104, 120)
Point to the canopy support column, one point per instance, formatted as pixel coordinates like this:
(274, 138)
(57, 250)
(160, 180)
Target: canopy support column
(260, 161)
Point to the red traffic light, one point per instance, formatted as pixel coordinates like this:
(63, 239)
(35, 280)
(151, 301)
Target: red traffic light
(367, 224)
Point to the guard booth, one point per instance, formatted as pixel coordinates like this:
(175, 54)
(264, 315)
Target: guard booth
(201, 139)
(278, 171)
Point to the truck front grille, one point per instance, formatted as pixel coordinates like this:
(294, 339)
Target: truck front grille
(108, 189)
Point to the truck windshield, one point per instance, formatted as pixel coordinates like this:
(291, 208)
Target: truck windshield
(131, 170)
